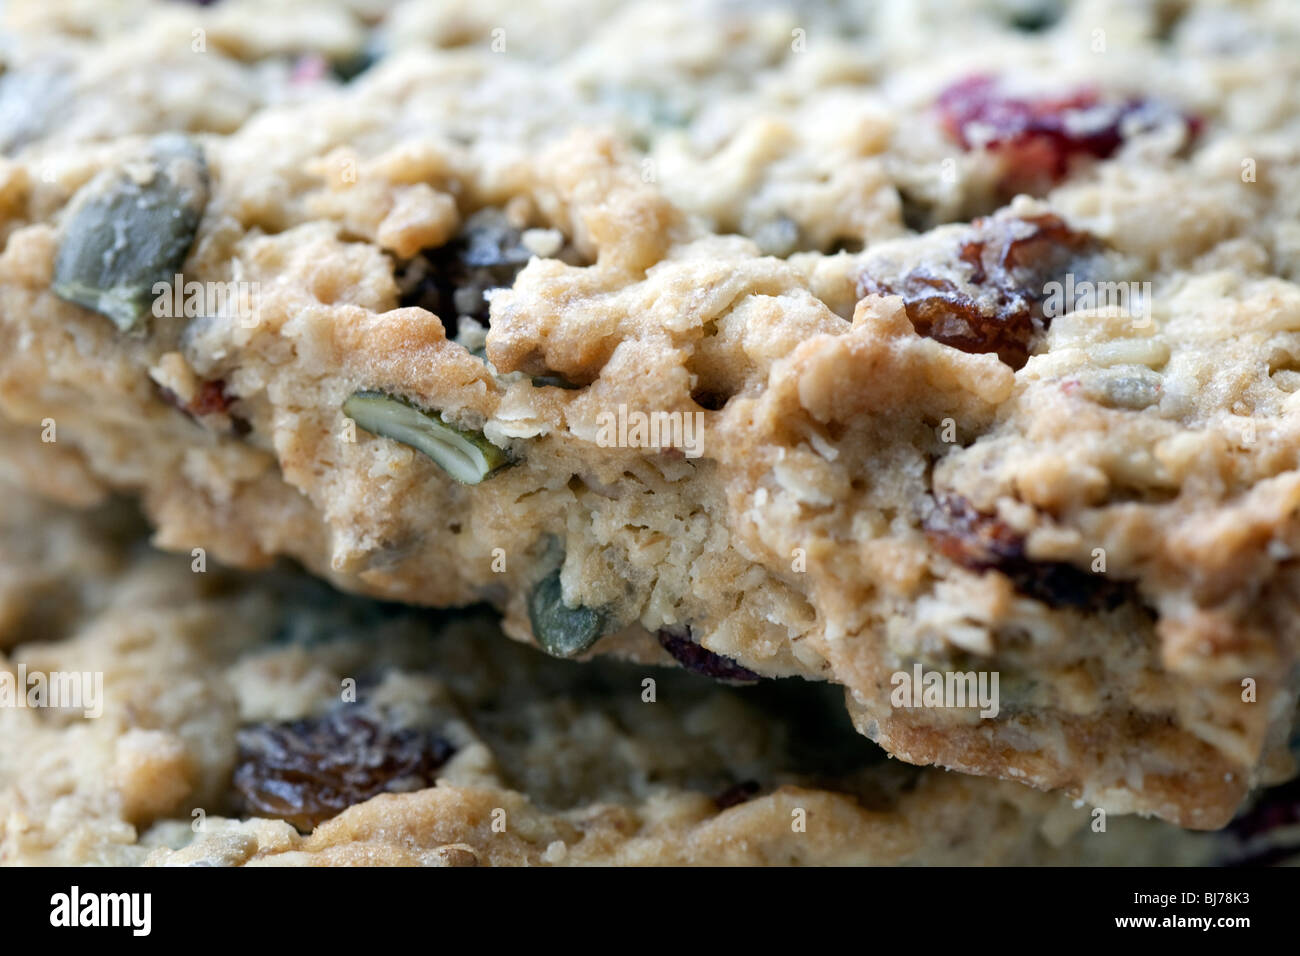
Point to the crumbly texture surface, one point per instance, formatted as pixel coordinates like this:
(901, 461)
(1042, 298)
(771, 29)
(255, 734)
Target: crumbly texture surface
(487, 752)
(761, 217)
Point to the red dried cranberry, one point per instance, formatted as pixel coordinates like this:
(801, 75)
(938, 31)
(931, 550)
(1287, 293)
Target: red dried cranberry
(1042, 136)
(695, 658)
(209, 399)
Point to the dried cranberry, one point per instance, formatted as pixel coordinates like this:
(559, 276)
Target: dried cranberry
(991, 300)
(306, 771)
(983, 542)
(695, 658)
(1042, 136)
(210, 398)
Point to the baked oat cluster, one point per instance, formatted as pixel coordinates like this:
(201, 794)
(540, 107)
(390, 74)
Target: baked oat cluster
(263, 719)
(925, 349)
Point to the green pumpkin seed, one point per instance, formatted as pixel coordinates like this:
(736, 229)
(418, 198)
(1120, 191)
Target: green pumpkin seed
(562, 631)
(553, 381)
(349, 67)
(131, 228)
(465, 455)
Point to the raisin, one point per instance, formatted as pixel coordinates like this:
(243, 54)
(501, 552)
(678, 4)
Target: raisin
(450, 281)
(1059, 584)
(940, 312)
(970, 538)
(736, 794)
(982, 542)
(996, 305)
(1041, 137)
(695, 658)
(306, 771)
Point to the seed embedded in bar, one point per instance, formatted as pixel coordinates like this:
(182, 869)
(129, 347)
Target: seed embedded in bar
(132, 228)
(562, 631)
(465, 455)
